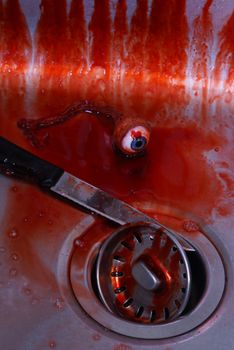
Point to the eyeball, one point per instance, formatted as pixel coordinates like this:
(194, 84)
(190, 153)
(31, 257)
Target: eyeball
(135, 140)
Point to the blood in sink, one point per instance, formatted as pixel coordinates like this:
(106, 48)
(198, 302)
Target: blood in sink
(155, 66)
(139, 67)
(173, 170)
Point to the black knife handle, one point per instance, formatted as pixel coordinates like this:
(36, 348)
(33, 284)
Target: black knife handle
(16, 162)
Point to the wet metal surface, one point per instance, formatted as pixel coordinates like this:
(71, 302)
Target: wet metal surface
(82, 267)
(167, 62)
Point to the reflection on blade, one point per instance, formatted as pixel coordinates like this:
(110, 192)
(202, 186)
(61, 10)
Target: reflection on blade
(98, 201)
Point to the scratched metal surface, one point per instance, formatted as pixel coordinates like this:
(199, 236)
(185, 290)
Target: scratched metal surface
(201, 33)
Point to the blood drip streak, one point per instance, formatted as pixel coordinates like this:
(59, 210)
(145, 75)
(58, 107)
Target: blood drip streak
(78, 35)
(100, 26)
(120, 30)
(226, 53)
(202, 32)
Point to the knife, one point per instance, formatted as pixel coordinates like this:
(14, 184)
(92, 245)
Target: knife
(16, 162)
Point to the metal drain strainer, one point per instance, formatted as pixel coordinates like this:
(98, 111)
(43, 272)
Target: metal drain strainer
(143, 274)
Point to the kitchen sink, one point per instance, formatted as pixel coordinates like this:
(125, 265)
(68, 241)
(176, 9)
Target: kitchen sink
(74, 76)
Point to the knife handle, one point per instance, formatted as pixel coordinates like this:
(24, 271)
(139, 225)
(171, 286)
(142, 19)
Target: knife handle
(16, 162)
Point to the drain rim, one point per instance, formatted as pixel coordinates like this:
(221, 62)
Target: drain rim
(122, 234)
(206, 306)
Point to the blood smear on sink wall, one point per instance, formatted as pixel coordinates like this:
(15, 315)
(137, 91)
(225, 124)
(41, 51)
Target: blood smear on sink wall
(154, 60)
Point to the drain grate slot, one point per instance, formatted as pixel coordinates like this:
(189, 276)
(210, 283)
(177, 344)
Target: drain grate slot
(166, 313)
(138, 237)
(128, 302)
(153, 316)
(139, 312)
(119, 258)
(127, 245)
(120, 290)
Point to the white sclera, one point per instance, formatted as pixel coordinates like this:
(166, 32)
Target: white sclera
(127, 139)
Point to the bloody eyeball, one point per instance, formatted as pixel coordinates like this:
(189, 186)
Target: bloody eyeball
(135, 140)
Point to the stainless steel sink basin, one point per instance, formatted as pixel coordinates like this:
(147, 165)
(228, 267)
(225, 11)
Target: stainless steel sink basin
(168, 64)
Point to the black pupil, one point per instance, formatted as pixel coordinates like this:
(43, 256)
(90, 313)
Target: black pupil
(138, 143)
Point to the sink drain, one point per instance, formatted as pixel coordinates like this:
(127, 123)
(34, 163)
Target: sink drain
(143, 274)
(139, 282)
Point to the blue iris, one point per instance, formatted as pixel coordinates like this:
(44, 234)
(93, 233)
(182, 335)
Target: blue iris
(138, 143)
